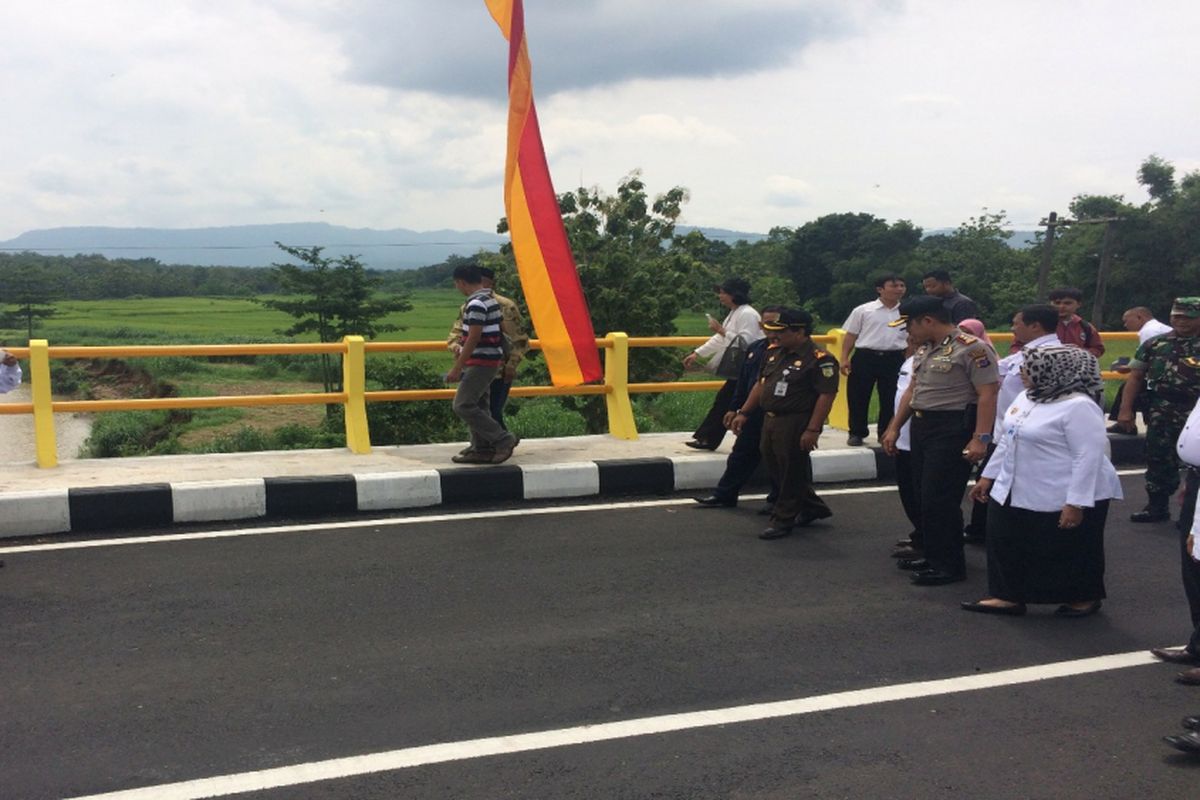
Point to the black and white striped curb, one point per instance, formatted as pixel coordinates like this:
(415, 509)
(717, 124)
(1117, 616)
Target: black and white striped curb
(162, 504)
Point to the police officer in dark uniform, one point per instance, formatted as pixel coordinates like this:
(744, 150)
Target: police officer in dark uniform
(952, 403)
(796, 388)
(1169, 365)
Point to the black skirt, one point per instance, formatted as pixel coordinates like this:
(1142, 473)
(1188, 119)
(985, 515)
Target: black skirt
(1032, 560)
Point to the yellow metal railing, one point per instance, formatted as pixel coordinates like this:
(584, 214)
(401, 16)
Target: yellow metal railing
(354, 397)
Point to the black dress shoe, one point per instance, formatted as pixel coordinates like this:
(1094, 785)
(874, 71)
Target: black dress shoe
(1179, 655)
(1192, 723)
(1017, 610)
(913, 564)
(766, 511)
(907, 552)
(712, 501)
(1149, 514)
(854, 441)
(1189, 677)
(775, 533)
(936, 577)
(697, 445)
(1187, 742)
(1069, 611)
(813, 516)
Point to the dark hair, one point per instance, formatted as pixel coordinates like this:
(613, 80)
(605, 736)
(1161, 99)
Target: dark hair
(736, 288)
(1041, 314)
(883, 280)
(468, 273)
(937, 275)
(1067, 293)
(771, 310)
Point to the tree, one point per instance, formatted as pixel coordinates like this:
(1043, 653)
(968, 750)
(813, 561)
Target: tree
(1158, 176)
(832, 260)
(633, 279)
(984, 267)
(31, 290)
(332, 298)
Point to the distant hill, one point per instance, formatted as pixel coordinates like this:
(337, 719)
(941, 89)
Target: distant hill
(254, 245)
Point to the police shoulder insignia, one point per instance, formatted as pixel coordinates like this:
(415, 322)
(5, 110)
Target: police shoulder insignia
(966, 338)
(819, 353)
(978, 352)
(828, 370)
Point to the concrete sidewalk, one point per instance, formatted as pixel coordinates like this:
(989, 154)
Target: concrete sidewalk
(98, 494)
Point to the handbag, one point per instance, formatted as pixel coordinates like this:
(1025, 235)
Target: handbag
(729, 366)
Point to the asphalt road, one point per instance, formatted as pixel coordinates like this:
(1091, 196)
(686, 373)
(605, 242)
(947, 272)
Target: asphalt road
(157, 662)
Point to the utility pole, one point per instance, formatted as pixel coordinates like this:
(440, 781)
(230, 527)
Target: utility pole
(1051, 222)
(1110, 224)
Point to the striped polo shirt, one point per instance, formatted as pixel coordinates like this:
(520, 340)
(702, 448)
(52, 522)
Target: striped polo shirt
(482, 309)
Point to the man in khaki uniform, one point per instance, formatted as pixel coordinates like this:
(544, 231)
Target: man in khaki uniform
(796, 388)
(516, 345)
(952, 402)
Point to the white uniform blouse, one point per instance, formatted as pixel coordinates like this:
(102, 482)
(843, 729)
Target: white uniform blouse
(741, 321)
(1052, 454)
(1011, 384)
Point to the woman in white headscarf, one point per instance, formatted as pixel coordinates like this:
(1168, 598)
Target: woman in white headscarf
(1048, 486)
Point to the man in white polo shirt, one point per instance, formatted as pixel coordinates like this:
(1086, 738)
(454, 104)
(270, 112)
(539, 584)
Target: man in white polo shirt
(878, 354)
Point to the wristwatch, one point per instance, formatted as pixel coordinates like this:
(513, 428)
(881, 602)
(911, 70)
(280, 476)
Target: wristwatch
(986, 438)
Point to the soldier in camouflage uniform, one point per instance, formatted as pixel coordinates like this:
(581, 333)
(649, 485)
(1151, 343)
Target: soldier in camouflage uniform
(1170, 365)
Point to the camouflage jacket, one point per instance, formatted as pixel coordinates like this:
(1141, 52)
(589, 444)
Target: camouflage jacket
(1172, 367)
(512, 326)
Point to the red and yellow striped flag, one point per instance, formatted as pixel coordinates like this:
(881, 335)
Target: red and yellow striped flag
(547, 268)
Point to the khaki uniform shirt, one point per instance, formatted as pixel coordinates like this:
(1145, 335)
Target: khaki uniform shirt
(792, 379)
(512, 326)
(945, 374)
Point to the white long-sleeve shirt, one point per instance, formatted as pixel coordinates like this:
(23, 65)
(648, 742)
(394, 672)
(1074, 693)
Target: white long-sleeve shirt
(904, 440)
(1052, 454)
(1151, 329)
(740, 322)
(10, 377)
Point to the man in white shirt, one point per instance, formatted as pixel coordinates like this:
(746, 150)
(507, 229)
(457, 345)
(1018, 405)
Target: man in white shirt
(1141, 320)
(1032, 326)
(878, 354)
(1187, 447)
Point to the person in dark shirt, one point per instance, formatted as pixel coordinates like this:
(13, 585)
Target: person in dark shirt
(795, 388)
(937, 283)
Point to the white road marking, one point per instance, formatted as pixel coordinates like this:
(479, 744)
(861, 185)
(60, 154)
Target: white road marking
(340, 768)
(371, 523)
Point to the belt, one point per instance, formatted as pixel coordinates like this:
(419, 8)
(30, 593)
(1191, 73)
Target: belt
(774, 414)
(876, 352)
(938, 414)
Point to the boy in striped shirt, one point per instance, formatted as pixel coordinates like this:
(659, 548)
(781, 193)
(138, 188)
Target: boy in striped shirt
(475, 367)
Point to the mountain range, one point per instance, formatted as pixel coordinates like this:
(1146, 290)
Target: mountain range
(254, 245)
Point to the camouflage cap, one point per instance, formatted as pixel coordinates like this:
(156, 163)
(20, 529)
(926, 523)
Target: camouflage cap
(1186, 307)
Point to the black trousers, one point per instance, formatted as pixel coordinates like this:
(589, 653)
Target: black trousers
(1191, 569)
(870, 369)
(940, 476)
(712, 427)
(908, 494)
(979, 511)
(791, 469)
(744, 460)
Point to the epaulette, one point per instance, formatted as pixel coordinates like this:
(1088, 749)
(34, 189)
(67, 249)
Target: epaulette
(966, 338)
(819, 353)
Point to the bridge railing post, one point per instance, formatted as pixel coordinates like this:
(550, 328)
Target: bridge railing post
(354, 384)
(45, 441)
(839, 415)
(616, 377)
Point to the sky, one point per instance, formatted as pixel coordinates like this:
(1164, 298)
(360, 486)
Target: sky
(392, 113)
